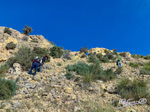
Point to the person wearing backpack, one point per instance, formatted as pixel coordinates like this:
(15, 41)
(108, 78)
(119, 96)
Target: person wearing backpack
(118, 63)
(35, 65)
(42, 62)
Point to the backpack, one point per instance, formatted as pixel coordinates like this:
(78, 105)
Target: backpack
(37, 60)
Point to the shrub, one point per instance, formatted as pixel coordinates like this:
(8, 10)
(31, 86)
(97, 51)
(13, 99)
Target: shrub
(3, 69)
(10, 45)
(25, 38)
(56, 52)
(41, 51)
(8, 31)
(91, 72)
(83, 56)
(66, 55)
(119, 70)
(59, 64)
(79, 68)
(69, 75)
(34, 41)
(52, 42)
(135, 89)
(7, 89)
(137, 56)
(102, 58)
(84, 50)
(123, 54)
(93, 59)
(147, 57)
(27, 30)
(146, 69)
(134, 65)
(24, 57)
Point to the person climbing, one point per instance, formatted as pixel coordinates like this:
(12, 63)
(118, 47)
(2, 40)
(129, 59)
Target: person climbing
(118, 62)
(35, 65)
(42, 62)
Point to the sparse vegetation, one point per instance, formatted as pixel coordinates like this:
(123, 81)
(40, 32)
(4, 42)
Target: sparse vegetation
(41, 51)
(10, 45)
(92, 58)
(135, 89)
(58, 64)
(134, 65)
(102, 58)
(7, 89)
(84, 50)
(24, 56)
(119, 70)
(91, 72)
(25, 38)
(83, 56)
(66, 55)
(3, 69)
(34, 41)
(145, 69)
(147, 57)
(137, 56)
(27, 30)
(69, 75)
(56, 52)
(8, 31)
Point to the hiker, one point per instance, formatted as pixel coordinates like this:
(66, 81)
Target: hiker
(87, 55)
(35, 65)
(42, 62)
(118, 63)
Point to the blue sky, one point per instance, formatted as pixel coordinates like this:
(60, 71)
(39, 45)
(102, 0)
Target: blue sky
(120, 24)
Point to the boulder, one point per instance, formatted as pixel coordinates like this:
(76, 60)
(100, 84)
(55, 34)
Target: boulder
(17, 68)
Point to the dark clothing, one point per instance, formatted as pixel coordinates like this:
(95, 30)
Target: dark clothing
(35, 66)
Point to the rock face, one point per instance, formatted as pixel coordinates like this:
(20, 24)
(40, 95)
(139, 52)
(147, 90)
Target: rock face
(19, 39)
(99, 50)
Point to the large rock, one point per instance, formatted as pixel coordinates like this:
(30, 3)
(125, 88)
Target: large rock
(99, 50)
(17, 68)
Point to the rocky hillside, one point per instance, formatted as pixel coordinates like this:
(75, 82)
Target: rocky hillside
(52, 91)
(19, 39)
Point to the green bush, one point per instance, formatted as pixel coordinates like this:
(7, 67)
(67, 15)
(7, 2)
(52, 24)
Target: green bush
(135, 89)
(102, 58)
(146, 69)
(147, 57)
(92, 58)
(41, 51)
(10, 45)
(27, 30)
(91, 72)
(7, 89)
(83, 56)
(25, 38)
(84, 50)
(24, 57)
(69, 75)
(66, 55)
(56, 52)
(137, 56)
(119, 70)
(79, 68)
(8, 31)
(123, 54)
(3, 69)
(59, 64)
(134, 65)
(34, 41)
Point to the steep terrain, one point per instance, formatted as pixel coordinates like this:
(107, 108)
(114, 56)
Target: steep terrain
(51, 91)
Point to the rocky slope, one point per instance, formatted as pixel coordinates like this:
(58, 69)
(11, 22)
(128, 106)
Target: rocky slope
(52, 92)
(19, 39)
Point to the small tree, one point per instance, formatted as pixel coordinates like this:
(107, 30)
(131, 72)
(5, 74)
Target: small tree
(8, 31)
(84, 50)
(27, 30)
(10, 45)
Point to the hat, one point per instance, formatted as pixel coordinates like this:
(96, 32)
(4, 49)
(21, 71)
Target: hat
(37, 57)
